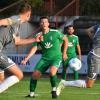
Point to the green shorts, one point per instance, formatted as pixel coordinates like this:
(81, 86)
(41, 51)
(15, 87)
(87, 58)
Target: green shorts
(43, 65)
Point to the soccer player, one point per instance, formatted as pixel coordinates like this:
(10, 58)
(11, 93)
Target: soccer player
(93, 61)
(73, 47)
(8, 31)
(51, 55)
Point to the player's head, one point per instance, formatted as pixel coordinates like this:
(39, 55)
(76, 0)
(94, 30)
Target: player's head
(25, 12)
(70, 29)
(44, 22)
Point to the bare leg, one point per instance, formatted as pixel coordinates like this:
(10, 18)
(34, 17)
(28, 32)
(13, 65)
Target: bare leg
(16, 71)
(53, 70)
(1, 76)
(11, 80)
(90, 83)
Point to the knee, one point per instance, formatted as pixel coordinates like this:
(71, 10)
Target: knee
(52, 74)
(36, 75)
(90, 83)
(89, 86)
(1, 80)
(53, 71)
(20, 76)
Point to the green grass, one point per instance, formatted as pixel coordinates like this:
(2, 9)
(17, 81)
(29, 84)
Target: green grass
(20, 90)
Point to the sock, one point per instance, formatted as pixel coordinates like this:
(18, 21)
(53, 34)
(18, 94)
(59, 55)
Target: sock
(64, 74)
(77, 83)
(76, 75)
(54, 88)
(31, 94)
(33, 84)
(53, 80)
(8, 83)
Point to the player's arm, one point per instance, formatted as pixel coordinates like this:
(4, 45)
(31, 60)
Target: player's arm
(30, 54)
(6, 21)
(65, 44)
(79, 52)
(21, 41)
(78, 48)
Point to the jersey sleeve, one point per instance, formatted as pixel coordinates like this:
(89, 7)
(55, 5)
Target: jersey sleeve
(77, 40)
(13, 20)
(60, 35)
(35, 43)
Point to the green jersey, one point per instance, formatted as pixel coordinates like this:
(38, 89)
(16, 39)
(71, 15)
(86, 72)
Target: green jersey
(72, 44)
(50, 45)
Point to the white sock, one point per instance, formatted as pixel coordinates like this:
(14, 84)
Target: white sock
(8, 83)
(31, 94)
(54, 89)
(77, 83)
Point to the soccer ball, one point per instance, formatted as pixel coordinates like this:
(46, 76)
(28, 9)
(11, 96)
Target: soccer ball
(75, 64)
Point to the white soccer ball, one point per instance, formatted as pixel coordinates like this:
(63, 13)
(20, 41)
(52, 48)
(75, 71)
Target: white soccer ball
(75, 64)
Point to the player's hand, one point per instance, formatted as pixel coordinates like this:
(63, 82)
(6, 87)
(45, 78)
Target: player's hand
(65, 57)
(16, 38)
(80, 58)
(24, 62)
(39, 38)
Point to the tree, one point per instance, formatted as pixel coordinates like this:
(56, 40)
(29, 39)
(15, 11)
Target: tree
(89, 7)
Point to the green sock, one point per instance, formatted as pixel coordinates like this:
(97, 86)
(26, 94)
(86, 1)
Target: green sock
(53, 80)
(64, 74)
(76, 75)
(33, 84)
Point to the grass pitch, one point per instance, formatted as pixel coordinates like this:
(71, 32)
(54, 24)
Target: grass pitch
(43, 90)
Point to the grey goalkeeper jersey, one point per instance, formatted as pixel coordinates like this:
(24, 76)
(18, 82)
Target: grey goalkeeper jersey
(6, 32)
(96, 40)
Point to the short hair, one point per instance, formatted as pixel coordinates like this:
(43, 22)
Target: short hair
(24, 8)
(67, 27)
(44, 17)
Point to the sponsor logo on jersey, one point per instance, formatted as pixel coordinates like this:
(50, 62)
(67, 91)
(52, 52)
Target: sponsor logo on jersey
(70, 44)
(48, 45)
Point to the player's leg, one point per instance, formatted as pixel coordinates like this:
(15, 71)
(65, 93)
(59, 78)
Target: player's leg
(33, 82)
(90, 83)
(39, 69)
(64, 75)
(9, 65)
(65, 66)
(15, 70)
(78, 83)
(1, 76)
(53, 78)
(76, 75)
(93, 69)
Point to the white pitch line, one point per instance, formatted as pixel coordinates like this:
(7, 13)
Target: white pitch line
(43, 93)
